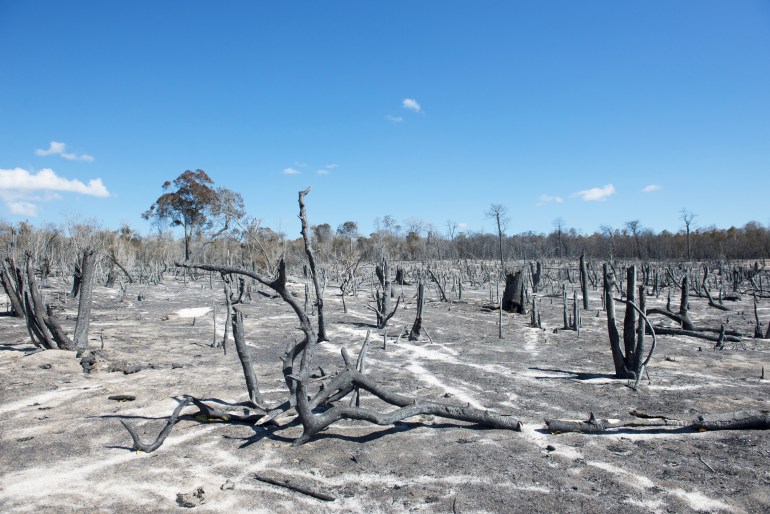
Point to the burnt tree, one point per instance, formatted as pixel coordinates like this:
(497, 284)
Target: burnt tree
(513, 294)
(629, 360)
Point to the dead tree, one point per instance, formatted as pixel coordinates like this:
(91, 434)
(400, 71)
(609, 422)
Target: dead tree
(441, 292)
(382, 299)
(740, 420)
(534, 319)
(629, 361)
(80, 338)
(684, 306)
(414, 335)
(43, 327)
(513, 294)
(584, 280)
(351, 377)
(252, 386)
(13, 285)
(535, 273)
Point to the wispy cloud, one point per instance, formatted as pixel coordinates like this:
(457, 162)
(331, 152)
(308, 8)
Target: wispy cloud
(290, 171)
(411, 104)
(545, 199)
(394, 119)
(19, 189)
(23, 209)
(596, 194)
(331, 166)
(651, 188)
(57, 148)
(322, 171)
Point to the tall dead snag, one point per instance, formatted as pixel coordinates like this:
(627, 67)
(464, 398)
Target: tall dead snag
(319, 297)
(13, 286)
(629, 362)
(84, 303)
(534, 319)
(414, 335)
(513, 294)
(382, 299)
(584, 281)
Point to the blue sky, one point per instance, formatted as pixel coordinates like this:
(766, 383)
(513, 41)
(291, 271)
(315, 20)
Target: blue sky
(430, 109)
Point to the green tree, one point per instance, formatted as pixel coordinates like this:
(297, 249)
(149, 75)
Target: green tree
(191, 202)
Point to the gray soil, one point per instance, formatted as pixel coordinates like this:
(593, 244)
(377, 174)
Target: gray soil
(62, 447)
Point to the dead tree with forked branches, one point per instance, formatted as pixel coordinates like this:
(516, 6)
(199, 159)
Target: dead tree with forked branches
(382, 296)
(336, 387)
(629, 360)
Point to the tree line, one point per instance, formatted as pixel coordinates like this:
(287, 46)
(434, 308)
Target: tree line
(215, 226)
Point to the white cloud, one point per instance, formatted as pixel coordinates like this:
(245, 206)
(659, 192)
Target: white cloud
(53, 148)
(323, 172)
(596, 194)
(46, 180)
(544, 199)
(462, 225)
(651, 188)
(19, 188)
(331, 166)
(394, 119)
(57, 148)
(290, 171)
(411, 104)
(23, 209)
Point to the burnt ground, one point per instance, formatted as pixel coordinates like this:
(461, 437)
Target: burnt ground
(62, 447)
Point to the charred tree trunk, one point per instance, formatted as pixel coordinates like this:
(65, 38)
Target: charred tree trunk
(84, 304)
(14, 289)
(617, 353)
(584, 281)
(252, 386)
(45, 325)
(414, 335)
(629, 320)
(536, 276)
(513, 294)
(382, 300)
(77, 277)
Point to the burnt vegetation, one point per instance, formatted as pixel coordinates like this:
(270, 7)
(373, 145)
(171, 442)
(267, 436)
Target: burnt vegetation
(623, 270)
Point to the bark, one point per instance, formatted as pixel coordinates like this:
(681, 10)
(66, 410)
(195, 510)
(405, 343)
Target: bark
(80, 337)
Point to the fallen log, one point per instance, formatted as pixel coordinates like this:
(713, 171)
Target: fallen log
(694, 333)
(739, 420)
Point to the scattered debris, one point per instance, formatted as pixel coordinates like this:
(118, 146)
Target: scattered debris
(190, 500)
